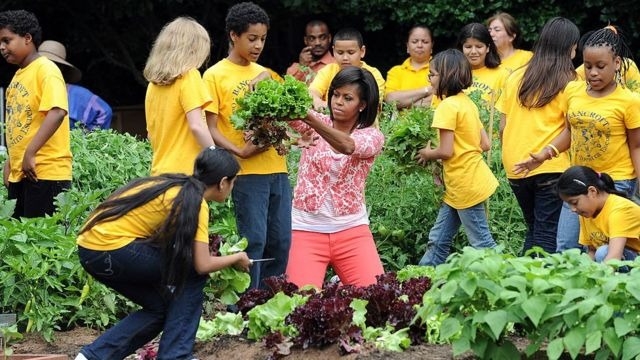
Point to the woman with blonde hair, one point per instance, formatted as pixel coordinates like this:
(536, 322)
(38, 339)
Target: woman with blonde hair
(176, 96)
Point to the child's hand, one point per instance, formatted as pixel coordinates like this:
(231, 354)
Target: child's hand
(29, 166)
(243, 263)
(424, 154)
(262, 76)
(320, 105)
(525, 166)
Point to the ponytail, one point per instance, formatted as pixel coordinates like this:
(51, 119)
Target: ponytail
(576, 180)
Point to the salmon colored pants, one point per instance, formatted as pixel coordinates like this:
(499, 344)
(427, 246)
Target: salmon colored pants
(351, 253)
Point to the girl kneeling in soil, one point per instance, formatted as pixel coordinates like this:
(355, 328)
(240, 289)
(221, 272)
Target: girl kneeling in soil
(609, 222)
(149, 242)
(467, 177)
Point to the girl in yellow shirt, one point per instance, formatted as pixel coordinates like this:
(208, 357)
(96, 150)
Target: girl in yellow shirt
(609, 222)
(467, 177)
(149, 242)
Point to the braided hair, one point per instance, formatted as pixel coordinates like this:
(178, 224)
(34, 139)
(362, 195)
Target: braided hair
(612, 37)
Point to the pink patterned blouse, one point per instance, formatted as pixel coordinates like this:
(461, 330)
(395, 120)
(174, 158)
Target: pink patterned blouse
(314, 178)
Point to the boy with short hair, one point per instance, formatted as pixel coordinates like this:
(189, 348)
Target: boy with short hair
(348, 50)
(38, 140)
(262, 192)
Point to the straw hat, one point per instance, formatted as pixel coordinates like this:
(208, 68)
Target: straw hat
(56, 52)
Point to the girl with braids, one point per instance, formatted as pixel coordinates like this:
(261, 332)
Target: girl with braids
(534, 114)
(609, 222)
(467, 177)
(629, 75)
(149, 242)
(604, 123)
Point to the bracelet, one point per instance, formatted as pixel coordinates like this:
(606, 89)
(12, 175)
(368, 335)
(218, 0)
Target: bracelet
(555, 149)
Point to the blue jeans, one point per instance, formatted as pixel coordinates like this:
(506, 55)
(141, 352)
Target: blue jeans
(569, 223)
(540, 206)
(474, 220)
(262, 206)
(135, 271)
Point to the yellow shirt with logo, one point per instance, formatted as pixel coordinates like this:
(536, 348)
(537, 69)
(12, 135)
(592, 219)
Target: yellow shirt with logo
(530, 130)
(323, 79)
(406, 77)
(489, 82)
(174, 146)
(518, 59)
(467, 177)
(599, 129)
(227, 82)
(619, 217)
(140, 223)
(33, 91)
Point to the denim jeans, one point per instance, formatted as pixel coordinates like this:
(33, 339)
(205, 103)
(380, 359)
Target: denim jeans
(540, 206)
(135, 271)
(263, 215)
(474, 220)
(569, 225)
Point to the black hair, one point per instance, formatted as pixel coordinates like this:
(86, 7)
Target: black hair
(242, 15)
(479, 32)
(577, 179)
(176, 234)
(348, 34)
(367, 90)
(22, 22)
(419, 26)
(550, 68)
(454, 70)
(317, 22)
(612, 37)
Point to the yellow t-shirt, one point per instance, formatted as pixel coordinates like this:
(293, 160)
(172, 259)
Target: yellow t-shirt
(619, 217)
(518, 59)
(140, 223)
(323, 79)
(174, 146)
(227, 82)
(33, 91)
(489, 81)
(467, 177)
(405, 77)
(631, 78)
(530, 130)
(599, 129)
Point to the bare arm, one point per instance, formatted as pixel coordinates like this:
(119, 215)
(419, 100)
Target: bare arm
(633, 139)
(204, 263)
(485, 142)
(198, 129)
(339, 140)
(248, 150)
(616, 248)
(5, 173)
(408, 98)
(51, 123)
(444, 151)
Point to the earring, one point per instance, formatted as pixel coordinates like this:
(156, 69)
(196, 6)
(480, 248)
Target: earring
(361, 109)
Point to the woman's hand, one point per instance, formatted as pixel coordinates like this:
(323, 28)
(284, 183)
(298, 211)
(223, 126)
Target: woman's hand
(242, 263)
(307, 139)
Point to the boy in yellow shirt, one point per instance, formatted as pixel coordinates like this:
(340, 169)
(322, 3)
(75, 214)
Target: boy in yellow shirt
(39, 164)
(348, 50)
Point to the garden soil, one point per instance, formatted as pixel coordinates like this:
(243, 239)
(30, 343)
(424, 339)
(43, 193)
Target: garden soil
(224, 348)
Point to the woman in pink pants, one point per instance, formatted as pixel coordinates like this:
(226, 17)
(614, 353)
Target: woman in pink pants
(329, 218)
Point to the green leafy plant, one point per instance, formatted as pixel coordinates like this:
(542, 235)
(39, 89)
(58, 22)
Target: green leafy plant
(263, 112)
(568, 300)
(8, 334)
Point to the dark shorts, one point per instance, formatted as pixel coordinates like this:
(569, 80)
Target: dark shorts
(35, 199)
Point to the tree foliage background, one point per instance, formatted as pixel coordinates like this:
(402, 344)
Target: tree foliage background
(109, 40)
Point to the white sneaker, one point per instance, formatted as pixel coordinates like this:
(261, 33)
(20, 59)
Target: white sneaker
(81, 357)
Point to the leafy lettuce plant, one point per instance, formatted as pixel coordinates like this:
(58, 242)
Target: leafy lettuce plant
(264, 111)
